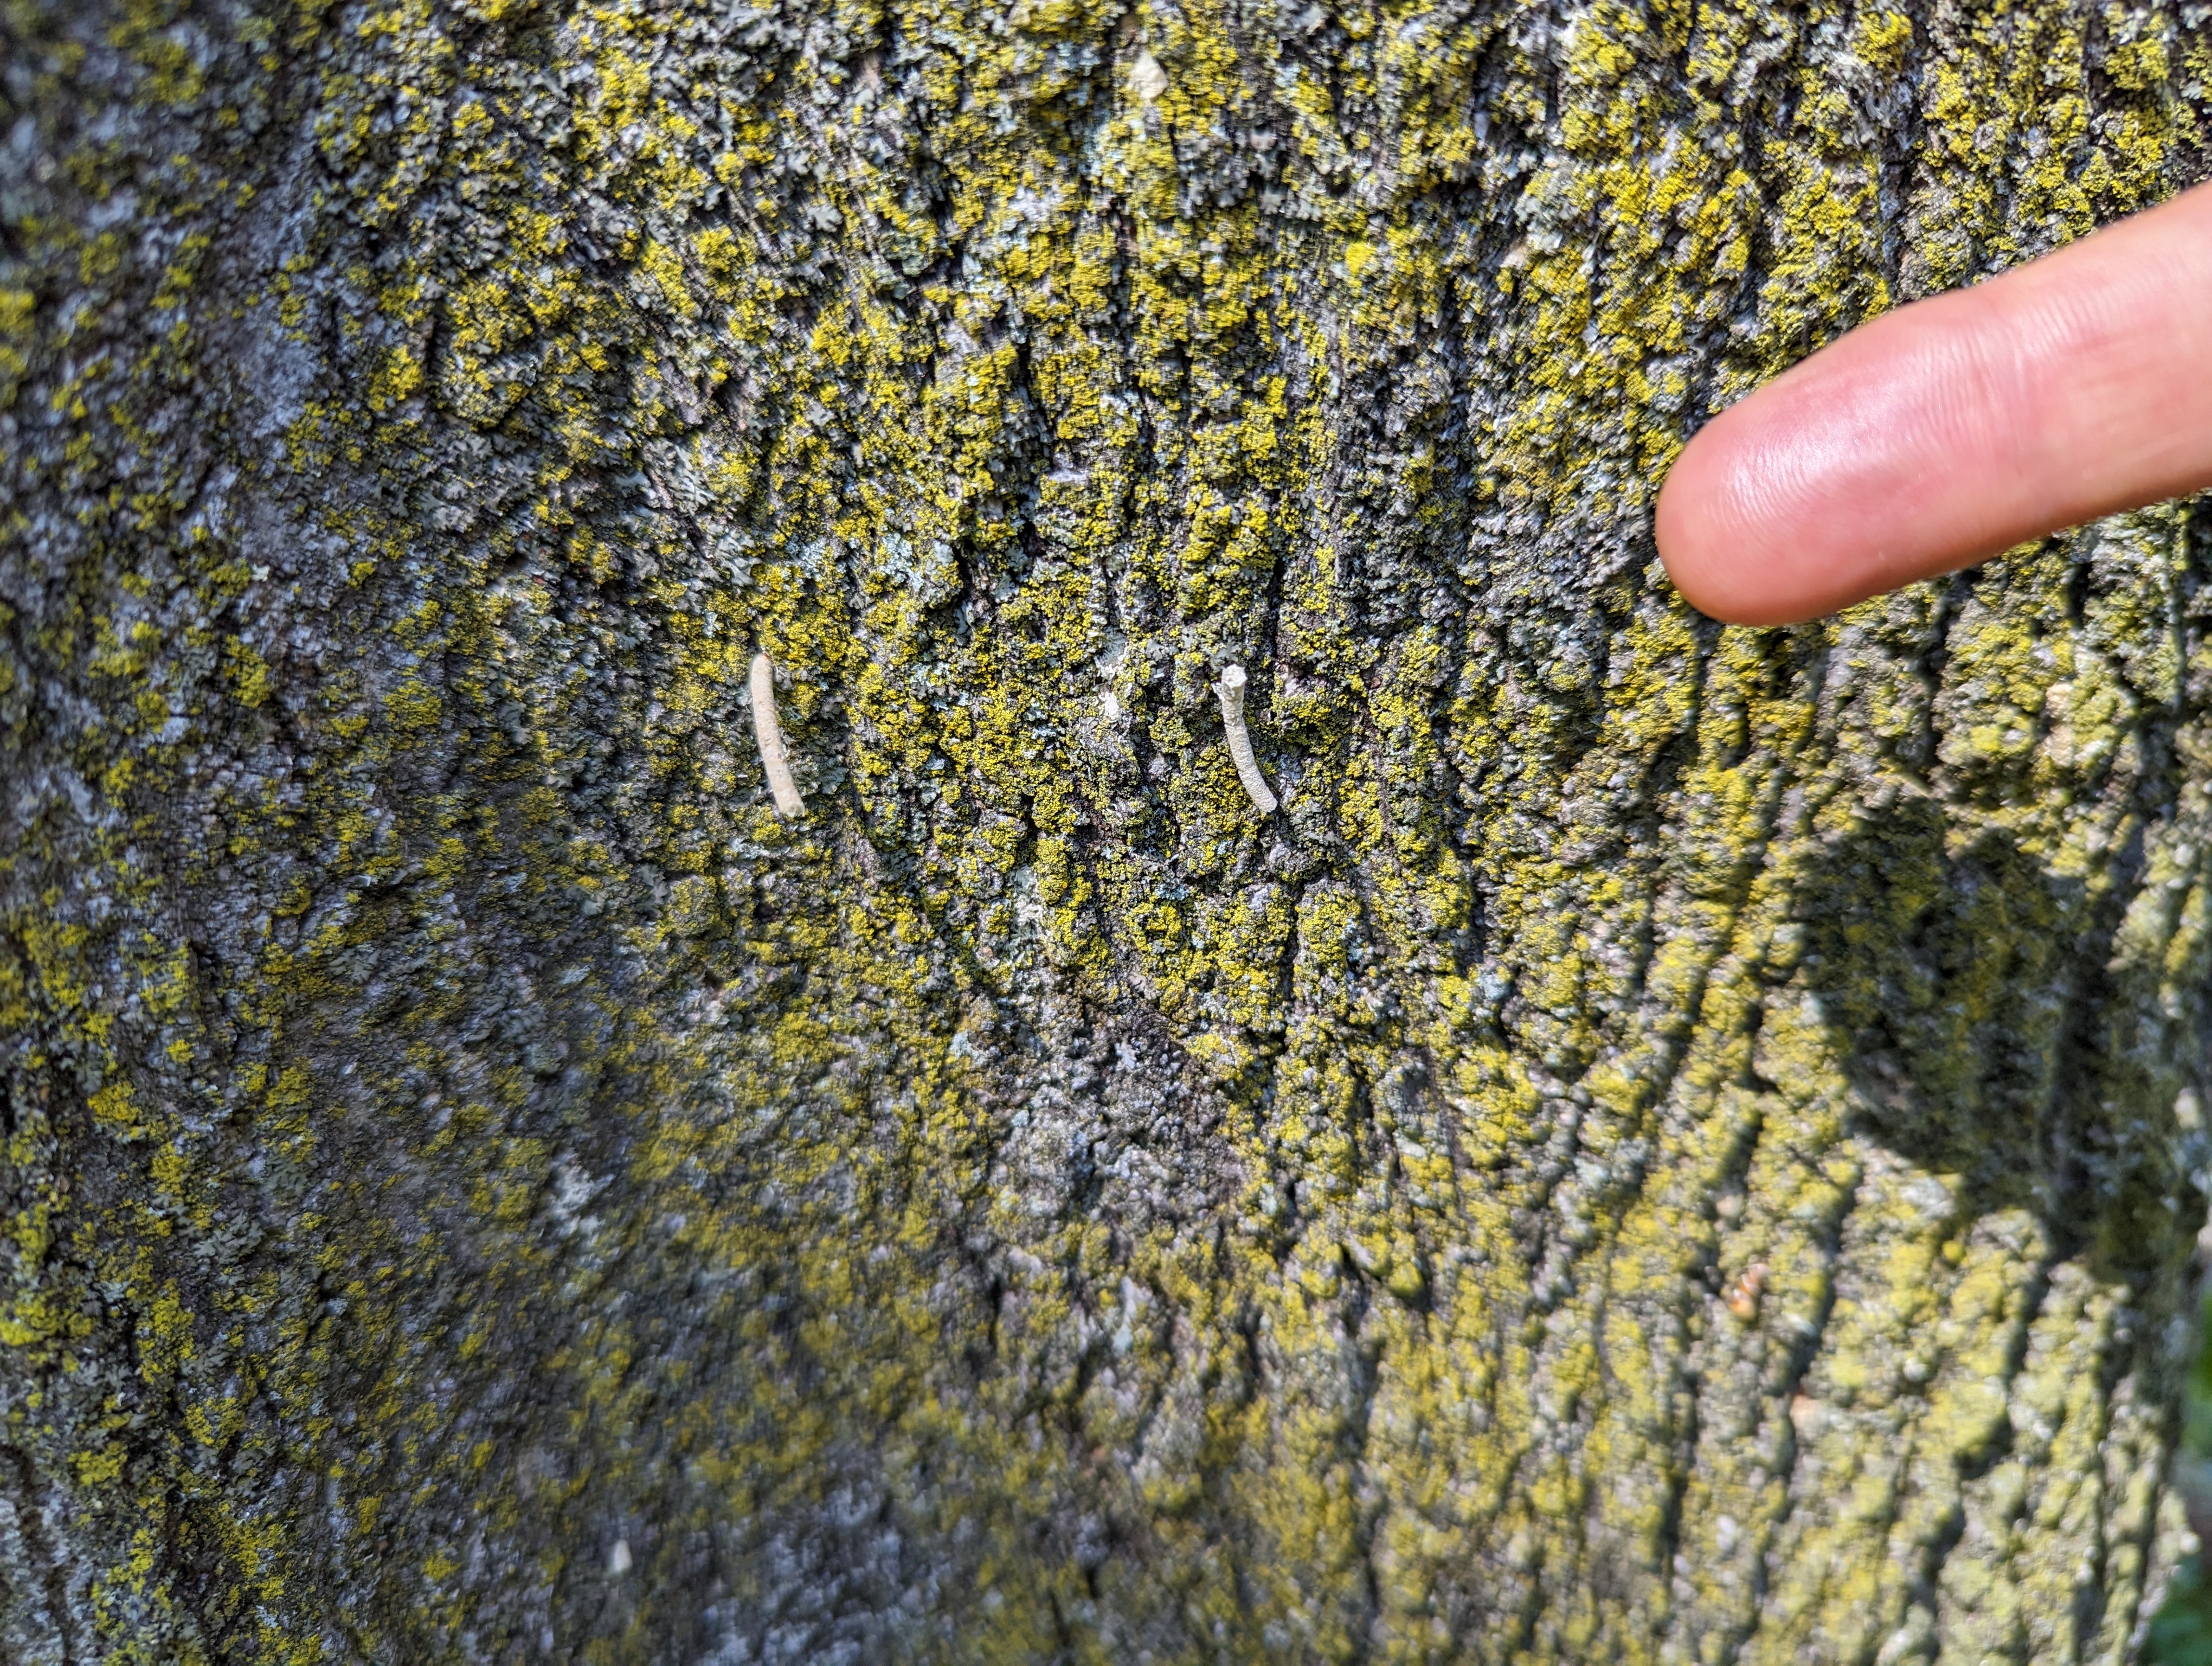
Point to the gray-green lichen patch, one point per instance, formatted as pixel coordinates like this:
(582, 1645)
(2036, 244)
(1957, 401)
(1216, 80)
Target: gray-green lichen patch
(1035, 1207)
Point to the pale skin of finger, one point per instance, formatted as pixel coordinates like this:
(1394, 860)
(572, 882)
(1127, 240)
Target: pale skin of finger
(1951, 429)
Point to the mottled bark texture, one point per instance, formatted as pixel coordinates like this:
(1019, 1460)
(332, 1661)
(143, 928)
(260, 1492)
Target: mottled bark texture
(482, 1188)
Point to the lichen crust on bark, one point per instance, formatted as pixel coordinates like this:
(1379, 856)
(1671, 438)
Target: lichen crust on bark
(1035, 1208)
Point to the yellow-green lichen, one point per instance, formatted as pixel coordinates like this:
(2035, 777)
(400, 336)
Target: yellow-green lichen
(1035, 1207)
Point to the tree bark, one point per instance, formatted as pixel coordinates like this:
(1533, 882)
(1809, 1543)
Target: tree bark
(1674, 1144)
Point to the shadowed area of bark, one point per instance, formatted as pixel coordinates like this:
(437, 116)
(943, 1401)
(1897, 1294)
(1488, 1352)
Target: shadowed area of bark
(1672, 1144)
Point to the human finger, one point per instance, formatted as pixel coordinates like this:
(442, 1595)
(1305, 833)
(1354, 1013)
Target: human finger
(1951, 430)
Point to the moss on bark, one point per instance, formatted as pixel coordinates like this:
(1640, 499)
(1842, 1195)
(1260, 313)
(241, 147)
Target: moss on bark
(1674, 1145)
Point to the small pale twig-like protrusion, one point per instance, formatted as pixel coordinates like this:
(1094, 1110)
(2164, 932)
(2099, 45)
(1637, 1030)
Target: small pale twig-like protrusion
(769, 733)
(1147, 80)
(1743, 1300)
(1231, 688)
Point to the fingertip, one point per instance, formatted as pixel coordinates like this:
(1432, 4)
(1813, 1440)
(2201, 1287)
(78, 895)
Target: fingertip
(1806, 495)
(1710, 558)
(1675, 526)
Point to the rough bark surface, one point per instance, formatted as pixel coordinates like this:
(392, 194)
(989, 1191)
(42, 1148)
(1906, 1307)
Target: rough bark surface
(1674, 1145)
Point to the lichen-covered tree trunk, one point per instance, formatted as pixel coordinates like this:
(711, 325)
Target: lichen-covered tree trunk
(1674, 1145)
